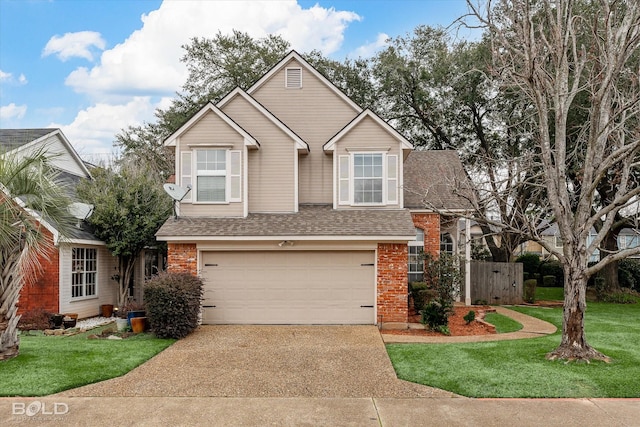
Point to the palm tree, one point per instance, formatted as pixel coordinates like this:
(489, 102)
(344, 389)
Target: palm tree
(32, 198)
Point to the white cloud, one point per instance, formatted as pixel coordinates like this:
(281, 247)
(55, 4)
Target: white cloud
(4, 76)
(370, 49)
(148, 62)
(93, 130)
(12, 111)
(74, 45)
(8, 78)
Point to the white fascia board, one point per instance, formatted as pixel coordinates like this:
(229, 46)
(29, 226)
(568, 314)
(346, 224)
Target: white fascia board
(300, 143)
(295, 55)
(398, 238)
(330, 145)
(84, 242)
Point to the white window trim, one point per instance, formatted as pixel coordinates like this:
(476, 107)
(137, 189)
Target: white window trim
(227, 173)
(84, 284)
(352, 178)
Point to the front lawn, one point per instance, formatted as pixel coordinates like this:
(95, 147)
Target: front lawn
(518, 368)
(49, 364)
(502, 323)
(549, 294)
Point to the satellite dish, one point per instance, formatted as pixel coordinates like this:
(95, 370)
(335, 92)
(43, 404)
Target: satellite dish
(176, 192)
(80, 211)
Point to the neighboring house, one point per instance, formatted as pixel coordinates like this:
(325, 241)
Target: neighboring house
(297, 209)
(627, 238)
(76, 277)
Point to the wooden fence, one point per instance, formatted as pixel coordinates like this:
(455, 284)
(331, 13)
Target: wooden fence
(496, 282)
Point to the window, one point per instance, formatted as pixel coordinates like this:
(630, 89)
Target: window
(367, 179)
(446, 243)
(416, 262)
(558, 241)
(211, 181)
(84, 265)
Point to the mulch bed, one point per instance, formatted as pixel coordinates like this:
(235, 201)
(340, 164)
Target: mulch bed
(457, 325)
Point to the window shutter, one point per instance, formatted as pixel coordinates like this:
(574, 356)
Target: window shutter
(392, 178)
(185, 170)
(235, 175)
(293, 78)
(343, 180)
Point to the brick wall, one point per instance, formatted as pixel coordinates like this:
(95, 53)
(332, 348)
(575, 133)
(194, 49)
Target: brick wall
(430, 224)
(182, 258)
(43, 293)
(392, 296)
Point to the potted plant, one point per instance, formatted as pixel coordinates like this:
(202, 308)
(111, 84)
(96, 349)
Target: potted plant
(121, 318)
(56, 320)
(106, 310)
(134, 309)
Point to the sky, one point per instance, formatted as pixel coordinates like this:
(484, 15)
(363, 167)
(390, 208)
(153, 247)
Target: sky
(95, 67)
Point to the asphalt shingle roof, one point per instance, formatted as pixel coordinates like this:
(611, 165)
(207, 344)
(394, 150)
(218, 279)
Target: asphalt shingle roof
(14, 138)
(435, 179)
(309, 221)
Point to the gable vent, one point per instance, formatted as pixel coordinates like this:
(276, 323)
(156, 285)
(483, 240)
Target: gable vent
(293, 78)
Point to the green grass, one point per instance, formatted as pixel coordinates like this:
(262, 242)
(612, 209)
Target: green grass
(518, 368)
(549, 294)
(502, 323)
(48, 364)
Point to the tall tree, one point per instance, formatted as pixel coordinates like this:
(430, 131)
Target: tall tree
(129, 207)
(439, 94)
(538, 49)
(30, 193)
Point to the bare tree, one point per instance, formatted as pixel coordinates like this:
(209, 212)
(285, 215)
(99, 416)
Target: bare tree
(540, 47)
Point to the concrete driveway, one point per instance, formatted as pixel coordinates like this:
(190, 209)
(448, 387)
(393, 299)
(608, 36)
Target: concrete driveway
(267, 361)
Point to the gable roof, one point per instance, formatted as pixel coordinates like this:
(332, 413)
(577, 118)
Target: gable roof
(293, 55)
(300, 143)
(25, 139)
(330, 145)
(249, 140)
(436, 180)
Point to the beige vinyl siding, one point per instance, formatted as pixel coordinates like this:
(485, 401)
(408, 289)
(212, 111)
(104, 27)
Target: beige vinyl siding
(315, 113)
(368, 136)
(208, 132)
(272, 167)
(106, 289)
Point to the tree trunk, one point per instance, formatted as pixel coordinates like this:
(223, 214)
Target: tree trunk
(9, 295)
(574, 344)
(610, 271)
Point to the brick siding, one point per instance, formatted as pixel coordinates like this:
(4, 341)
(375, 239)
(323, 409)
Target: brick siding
(43, 293)
(182, 258)
(392, 295)
(430, 224)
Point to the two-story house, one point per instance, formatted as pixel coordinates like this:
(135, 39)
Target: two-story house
(297, 208)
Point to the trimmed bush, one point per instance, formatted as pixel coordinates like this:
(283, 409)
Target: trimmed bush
(549, 281)
(553, 268)
(421, 295)
(530, 263)
(173, 304)
(436, 317)
(530, 290)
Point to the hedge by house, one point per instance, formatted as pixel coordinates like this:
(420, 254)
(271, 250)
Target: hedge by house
(173, 304)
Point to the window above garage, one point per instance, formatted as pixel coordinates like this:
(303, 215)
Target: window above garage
(214, 174)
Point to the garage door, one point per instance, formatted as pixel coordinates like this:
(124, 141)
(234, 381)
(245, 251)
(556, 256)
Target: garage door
(290, 287)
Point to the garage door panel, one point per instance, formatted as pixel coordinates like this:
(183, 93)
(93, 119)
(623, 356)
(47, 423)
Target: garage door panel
(311, 287)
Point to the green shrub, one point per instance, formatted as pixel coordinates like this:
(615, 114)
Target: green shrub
(530, 263)
(470, 316)
(549, 281)
(553, 268)
(436, 316)
(620, 298)
(530, 290)
(629, 273)
(173, 304)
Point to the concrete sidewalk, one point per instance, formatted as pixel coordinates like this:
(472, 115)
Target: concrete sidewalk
(216, 411)
(531, 328)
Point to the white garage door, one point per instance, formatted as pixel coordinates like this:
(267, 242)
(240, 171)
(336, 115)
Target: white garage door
(290, 287)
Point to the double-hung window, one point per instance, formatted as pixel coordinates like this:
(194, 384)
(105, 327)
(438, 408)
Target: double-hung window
(211, 175)
(368, 179)
(416, 260)
(84, 271)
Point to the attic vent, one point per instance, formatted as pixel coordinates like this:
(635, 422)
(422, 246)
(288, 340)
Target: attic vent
(293, 78)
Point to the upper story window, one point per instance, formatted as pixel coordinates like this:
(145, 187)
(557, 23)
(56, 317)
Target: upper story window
(368, 179)
(215, 174)
(211, 175)
(84, 271)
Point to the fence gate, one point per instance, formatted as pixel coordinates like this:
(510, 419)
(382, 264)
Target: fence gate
(496, 282)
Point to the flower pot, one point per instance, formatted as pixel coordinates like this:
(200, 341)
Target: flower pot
(135, 313)
(71, 315)
(56, 320)
(107, 310)
(121, 324)
(138, 324)
(69, 322)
